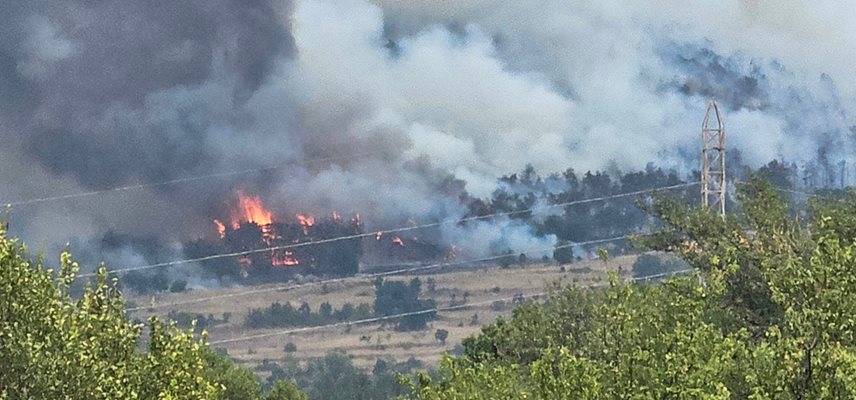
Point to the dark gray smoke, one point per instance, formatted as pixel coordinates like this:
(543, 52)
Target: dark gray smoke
(129, 90)
(108, 93)
(98, 94)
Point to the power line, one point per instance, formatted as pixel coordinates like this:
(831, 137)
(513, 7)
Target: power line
(393, 230)
(370, 276)
(175, 181)
(412, 313)
(791, 191)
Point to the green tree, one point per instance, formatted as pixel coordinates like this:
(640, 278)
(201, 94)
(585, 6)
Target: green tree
(768, 314)
(396, 297)
(563, 254)
(285, 390)
(236, 383)
(54, 346)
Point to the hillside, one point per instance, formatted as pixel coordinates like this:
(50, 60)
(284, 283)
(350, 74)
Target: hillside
(367, 342)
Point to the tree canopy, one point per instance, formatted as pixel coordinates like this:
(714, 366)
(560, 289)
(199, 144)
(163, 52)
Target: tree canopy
(767, 314)
(55, 346)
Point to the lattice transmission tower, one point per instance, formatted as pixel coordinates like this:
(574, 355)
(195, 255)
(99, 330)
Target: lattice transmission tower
(713, 160)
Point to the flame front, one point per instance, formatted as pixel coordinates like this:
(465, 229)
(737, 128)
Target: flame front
(251, 209)
(306, 220)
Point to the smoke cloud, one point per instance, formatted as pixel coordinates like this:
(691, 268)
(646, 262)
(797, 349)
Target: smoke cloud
(411, 103)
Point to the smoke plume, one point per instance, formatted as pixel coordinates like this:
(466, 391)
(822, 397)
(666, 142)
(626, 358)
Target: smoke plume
(393, 109)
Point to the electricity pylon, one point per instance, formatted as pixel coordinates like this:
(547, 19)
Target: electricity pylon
(713, 160)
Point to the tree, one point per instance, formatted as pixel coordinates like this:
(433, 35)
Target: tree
(396, 297)
(441, 335)
(285, 390)
(237, 383)
(563, 254)
(768, 314)
(178, 286)
(651, 264)
(54, 346)
(290, 347)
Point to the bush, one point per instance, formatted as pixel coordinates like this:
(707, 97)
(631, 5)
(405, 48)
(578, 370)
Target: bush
(441, 335)
(290, 347)
(178, 286)
(280, 315)
(397, 297)
(563, 255)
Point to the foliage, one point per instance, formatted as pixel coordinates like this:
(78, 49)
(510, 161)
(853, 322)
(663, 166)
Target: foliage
(199, 322)
(283, 315)
(582, 221)
(768, 314)
(441, 335)
(653, 264)
(396, 297)
(236, 383)
(285, 390)
(178, 286)
(54, 346)
(326, 259)
(334, 377)
(563, 254)
(146, 283)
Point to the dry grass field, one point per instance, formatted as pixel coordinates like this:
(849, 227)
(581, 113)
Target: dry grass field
(365, 343)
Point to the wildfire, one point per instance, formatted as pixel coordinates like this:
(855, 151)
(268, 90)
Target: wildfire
(251, 209)
(306, 221)
(378, 235)
(397, 240)
(272, 232)
(221, 228)
(287, 259)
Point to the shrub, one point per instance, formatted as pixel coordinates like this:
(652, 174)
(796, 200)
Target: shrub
(178, 286)
(290, 347)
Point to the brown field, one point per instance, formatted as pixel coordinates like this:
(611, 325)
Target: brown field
(365, 343)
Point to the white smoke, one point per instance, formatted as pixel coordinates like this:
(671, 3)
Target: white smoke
(432, 89)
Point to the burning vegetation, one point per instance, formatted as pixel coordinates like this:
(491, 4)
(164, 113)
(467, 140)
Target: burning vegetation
(276, 250)
(254, 227)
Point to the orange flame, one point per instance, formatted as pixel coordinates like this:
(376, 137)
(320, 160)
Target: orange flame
(336, 216)
(306, 220)
(378, 235)
(221, 229)
(251, 209)
(286, 260)
(397, 240)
